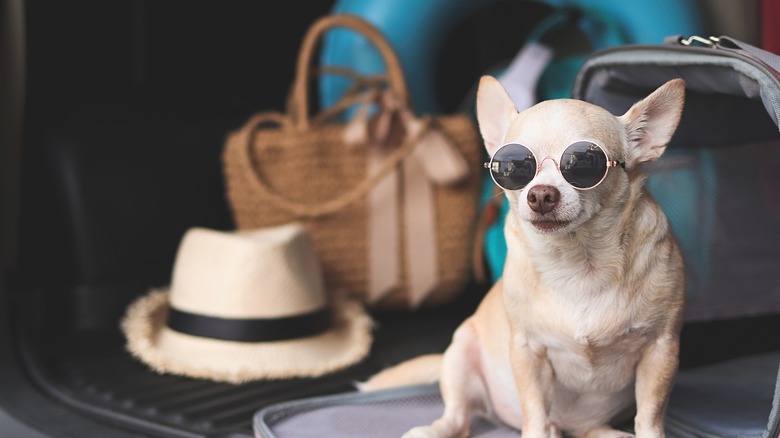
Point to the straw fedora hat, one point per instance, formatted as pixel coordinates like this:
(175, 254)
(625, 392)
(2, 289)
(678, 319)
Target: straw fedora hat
(246, 305)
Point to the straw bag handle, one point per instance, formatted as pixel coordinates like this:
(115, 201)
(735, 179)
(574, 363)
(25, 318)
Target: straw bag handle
(310, 210)
(298, 105)
(298, 116)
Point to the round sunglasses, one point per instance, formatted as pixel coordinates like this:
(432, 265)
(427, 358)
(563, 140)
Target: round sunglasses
(583, 164)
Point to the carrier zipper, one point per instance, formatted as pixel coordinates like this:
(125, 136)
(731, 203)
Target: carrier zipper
(709, 42)
(711, 45)
(774, 416)
(715, 43)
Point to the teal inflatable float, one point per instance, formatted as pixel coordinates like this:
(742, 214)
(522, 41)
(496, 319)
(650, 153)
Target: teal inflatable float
(418, 30)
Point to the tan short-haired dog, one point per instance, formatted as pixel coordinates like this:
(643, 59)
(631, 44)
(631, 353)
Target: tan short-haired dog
(585, 320)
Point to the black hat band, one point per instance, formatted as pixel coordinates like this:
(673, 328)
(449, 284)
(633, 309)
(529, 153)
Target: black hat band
(250, 329)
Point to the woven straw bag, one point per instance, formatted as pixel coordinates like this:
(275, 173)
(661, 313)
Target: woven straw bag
(392, 219)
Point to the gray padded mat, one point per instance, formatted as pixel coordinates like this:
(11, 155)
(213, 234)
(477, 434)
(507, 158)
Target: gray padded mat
(729, 399)
(380, 414)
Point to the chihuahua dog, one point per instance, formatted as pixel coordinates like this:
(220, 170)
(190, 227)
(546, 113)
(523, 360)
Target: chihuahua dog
(583, 327)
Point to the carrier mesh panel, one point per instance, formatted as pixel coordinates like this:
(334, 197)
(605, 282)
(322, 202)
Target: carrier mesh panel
(724, 208)
(718, 182)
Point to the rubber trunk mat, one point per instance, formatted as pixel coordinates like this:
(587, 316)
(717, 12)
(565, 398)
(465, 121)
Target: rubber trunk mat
(111, 384)
(93, 373)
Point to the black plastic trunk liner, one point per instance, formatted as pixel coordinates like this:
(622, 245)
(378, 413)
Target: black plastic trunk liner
(111, 384)
(93, 373)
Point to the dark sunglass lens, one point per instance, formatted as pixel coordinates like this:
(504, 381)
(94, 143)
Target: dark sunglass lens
(513, 166)
(583, 164)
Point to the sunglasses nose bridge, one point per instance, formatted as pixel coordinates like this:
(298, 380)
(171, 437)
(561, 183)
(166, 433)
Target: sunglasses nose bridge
(541, 163)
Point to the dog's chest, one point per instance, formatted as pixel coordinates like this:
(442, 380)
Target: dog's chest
(588, 322)
(587, 326)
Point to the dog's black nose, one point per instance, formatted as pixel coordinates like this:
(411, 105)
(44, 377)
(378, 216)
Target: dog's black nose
(542, 199)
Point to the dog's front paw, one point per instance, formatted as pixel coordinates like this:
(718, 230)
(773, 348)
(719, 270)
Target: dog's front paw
(421, 432)
(649, 429)
(606, 432)
(547, 431)
(650, 432)
(425, 432)
(438, 429)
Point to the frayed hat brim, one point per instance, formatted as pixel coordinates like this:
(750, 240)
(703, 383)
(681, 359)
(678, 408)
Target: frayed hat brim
(167, 351)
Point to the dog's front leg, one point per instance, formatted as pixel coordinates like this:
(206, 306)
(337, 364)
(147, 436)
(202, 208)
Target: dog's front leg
(461, 387)
(654, 378)
(534, 380)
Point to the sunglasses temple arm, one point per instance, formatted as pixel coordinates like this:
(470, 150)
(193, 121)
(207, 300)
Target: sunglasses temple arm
(613, 163)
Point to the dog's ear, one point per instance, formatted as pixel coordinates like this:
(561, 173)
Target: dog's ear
(495, 111)
(651, 122)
